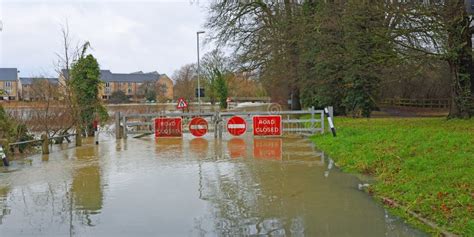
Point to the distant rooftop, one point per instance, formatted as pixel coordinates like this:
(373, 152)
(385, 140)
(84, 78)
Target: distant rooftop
(8, 74)
(29, 80)
(108, 76)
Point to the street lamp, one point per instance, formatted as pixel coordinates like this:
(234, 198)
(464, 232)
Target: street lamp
(198, 70)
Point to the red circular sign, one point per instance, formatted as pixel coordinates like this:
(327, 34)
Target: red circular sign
(198, 127)
(236, 126)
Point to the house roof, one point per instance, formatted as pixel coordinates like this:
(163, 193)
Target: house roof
(123, 77)
(29, 80)
(8, 74)
(108, 76)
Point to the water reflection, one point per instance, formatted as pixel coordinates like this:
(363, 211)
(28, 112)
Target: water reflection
(170, 146)
(184, 186)
(237, 148)
(295, 198)
(267, 148)
(86, 187)
(3, 205)
(199, 147)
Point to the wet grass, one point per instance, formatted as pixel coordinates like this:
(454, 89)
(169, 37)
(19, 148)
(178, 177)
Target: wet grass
(424, 164)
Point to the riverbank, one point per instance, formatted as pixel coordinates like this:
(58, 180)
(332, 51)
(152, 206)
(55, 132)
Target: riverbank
(425, 165)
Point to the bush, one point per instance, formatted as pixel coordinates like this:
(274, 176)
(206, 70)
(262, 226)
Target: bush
(118, 97)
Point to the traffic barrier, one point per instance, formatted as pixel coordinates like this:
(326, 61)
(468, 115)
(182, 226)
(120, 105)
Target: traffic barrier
(273, 122)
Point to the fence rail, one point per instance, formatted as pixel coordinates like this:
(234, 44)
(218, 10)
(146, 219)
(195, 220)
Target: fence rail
(40, 140)
(418, 103)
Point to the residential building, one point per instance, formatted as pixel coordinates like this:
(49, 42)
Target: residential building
(8, 84)
(31, 88)
(133, 84)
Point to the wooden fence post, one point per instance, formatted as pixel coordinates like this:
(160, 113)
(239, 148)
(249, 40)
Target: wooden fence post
(45, 142)
(78, 136)
(117, 125)
(124, 135)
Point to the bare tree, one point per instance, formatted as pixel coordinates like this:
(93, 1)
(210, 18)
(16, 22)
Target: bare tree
(185, 82)
(49, 115)
(152, 90)
(69, 53)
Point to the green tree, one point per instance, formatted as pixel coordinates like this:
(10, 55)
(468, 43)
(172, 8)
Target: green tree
(85, 81)
(264, 38)
(212, 61)
(368, 50)
(323, 60)
(7, 126)
(439, 30)
(12, 131)
(221, 88)
(151, 90)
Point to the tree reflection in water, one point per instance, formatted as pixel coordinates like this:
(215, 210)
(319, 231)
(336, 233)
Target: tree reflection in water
(3, 204)
(86, 188)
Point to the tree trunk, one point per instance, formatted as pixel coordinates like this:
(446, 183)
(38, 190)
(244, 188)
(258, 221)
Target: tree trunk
(78, 136)
(292, 50)
(45, 144)
(459, 59)
(295, 99)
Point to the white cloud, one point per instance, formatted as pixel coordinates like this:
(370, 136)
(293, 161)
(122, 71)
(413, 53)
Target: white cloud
(125, 36)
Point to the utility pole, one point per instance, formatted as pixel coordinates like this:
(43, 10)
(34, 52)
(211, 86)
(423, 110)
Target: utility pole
(198, 70)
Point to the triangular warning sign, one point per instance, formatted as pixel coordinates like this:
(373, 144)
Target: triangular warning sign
(182, 104)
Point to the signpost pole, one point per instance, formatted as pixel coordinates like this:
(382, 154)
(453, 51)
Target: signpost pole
(198, 70)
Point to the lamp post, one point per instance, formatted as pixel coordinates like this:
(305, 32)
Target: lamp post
(198, 70)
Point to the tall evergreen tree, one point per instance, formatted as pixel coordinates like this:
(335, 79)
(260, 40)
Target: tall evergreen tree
(85, 81)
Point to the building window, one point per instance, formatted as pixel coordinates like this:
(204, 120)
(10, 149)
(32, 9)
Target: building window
(129, 90)
(8, 84)
(107, 84)
(107, 90)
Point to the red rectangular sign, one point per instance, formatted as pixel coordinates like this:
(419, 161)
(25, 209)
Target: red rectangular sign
(267, 125)
(168, 127)
(267, 148)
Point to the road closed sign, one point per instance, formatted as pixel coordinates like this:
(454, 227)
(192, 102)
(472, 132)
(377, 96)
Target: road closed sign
(168, 127)
(267, 125)
(236, 126)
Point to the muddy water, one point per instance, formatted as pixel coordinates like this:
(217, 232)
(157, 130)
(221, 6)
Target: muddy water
(188, 187)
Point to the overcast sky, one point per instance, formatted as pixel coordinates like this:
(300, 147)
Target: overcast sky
(126, 35)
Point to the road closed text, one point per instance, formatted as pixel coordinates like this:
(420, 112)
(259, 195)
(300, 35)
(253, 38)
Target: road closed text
(268, 125)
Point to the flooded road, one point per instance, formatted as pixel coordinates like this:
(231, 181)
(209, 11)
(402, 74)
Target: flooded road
(188, 187)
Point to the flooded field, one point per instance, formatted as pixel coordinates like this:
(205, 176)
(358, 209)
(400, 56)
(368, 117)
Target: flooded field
(188, 187)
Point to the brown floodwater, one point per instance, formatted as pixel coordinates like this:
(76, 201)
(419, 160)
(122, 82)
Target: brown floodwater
(188, 187)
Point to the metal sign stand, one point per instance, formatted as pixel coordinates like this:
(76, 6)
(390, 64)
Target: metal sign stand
(3, 156)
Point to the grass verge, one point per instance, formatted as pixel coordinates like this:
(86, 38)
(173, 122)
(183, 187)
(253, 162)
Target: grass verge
(424, 164)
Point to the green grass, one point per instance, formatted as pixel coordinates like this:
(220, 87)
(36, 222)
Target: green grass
(424, 164)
